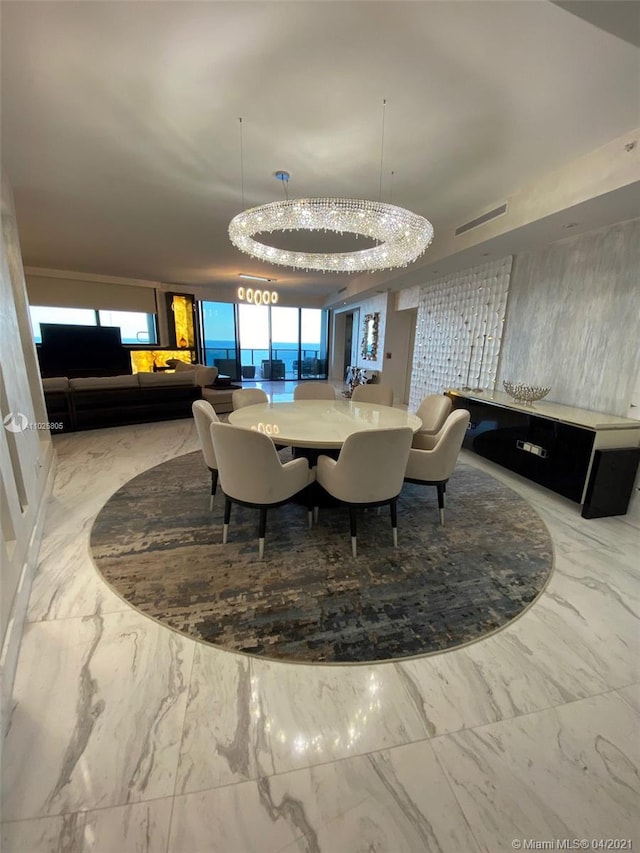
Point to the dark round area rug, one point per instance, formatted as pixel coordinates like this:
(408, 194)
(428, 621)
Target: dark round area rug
(158, 546)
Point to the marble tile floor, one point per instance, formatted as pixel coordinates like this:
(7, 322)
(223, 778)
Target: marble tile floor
(125, 736)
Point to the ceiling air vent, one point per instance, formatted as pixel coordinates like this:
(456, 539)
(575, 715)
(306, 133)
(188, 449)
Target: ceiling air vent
(486, 217)
(342, 290)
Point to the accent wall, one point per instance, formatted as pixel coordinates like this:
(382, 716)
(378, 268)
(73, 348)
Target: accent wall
(573, 319)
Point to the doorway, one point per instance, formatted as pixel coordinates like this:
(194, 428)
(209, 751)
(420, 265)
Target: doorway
(351, 326)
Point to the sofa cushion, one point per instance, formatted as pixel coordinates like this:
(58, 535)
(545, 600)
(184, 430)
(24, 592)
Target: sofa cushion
(96, 383)
(55, 383)
(180, 366)
(166, 380)
(205, 375)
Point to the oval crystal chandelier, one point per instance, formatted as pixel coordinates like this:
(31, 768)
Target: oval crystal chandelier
(401, 236)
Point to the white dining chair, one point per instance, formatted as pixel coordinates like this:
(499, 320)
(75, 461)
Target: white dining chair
(434, 467)
(373, 392)
(433, 411)
(368, 473)
(314, 391)
(242, 397)
(252, 475)
(204, 415)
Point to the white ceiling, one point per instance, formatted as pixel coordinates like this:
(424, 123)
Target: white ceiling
(120, 129)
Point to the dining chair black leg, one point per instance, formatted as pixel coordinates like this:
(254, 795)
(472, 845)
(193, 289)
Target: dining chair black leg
(394, 521)
(214, 486)
(262, 530)
(440, 488)
(352, 524)
(227, 517)
(311, 510)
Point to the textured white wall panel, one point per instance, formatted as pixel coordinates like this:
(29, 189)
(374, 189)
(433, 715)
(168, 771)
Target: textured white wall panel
(459, 330)
(573, 319)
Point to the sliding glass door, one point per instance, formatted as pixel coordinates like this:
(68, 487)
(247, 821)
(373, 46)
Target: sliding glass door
(263, 342)
(253, 322)
(299, 343)
(219, 337)
(313, 343)
(285, 338)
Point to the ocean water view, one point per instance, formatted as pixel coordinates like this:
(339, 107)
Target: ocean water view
(287, 361)
(262, 342)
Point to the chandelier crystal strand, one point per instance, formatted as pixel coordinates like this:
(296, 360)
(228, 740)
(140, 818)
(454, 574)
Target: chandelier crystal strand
(402, 236)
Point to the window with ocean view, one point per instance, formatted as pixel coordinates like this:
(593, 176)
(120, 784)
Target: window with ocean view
(285, 335)
(313, 337)
(254, 341)
(263, 342)
(219, 337)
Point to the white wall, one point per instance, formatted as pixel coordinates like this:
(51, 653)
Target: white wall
(408, 298)
(573, 319)
(395, 338)
(398, 341)
(26, 455)
(375, 305)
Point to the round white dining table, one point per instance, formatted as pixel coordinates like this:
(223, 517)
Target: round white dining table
(320, 424)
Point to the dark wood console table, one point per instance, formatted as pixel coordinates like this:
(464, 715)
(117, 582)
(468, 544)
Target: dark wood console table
(589, 457)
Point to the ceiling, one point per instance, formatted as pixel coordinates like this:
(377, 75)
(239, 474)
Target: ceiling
(121, 133)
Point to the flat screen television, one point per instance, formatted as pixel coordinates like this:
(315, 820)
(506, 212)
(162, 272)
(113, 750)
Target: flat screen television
(82, 351)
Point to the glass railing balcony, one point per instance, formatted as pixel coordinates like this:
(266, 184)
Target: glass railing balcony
(285, 363)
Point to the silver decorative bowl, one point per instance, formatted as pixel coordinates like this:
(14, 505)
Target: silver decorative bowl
(525, 393)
